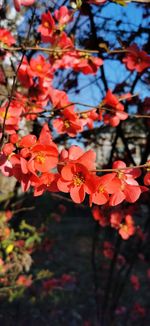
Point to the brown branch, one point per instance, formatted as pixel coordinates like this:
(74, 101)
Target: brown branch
(23, 209)
(141, 166)
(99, 107)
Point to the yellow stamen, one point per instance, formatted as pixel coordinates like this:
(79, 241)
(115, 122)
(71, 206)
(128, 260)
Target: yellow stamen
(2, 115)
(66, 124)
(120, 175)
(78, 179)
(40, 158)
(46, 24)
(84, 115)
(39, 67)
(101, 189)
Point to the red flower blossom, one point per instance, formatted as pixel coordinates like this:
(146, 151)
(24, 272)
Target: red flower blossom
(47, 27)
(63, 16)
(138, 309)
(76, 179)
(99, 216)
(50, 285)
(64, 42)
(128, 188)
(45, 137)
(9, 215)
(58, 98)
(39, 67)
(135, 282)
(24, 280)
(147, 179)
(39, 93)
(69, 123)
(31, 110)
(108, 250)
(103, 187)
(12, 117)
(35, 156)
(118, 219)
(20, 171)
(89, 118)
(14, 138)
(127, 229)
(43, 154)
(6, 37)
(112, 102)
(23, 75)
(63, 59)
(31, 107)
(45, 182)
(76, 154)
(115, 219)
(5, 165)
(66, 278)
(8, 148)
(136, 59)
(86, 65)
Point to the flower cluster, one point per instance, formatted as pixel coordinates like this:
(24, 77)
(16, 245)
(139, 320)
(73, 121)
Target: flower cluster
(36, 162)
(6, 38)
(115, 109)
(120, 220)
(36, 76)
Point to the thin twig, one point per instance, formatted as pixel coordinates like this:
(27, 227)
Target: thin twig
(14, 83)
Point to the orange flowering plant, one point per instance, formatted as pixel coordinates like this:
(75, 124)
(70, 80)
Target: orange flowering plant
(53, 142)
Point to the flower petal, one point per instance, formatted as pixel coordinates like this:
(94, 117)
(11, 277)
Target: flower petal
(77, 194)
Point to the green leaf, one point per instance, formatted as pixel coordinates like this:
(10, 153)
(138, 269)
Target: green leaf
(44, 273)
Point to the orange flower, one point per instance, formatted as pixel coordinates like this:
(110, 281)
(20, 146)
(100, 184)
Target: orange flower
(127, 229)
(76, 179)
(136, 59)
